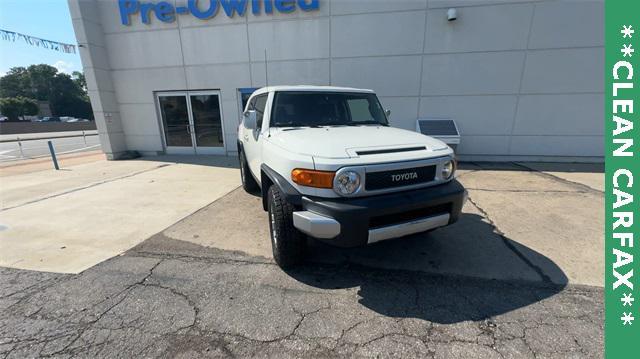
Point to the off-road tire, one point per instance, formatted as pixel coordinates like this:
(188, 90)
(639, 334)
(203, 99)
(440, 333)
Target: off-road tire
(248, 182)
(288, 244)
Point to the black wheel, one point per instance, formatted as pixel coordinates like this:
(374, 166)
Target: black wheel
(288, 244)
(248, 182)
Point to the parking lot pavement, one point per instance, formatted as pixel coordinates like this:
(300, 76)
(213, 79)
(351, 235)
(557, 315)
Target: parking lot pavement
(171, 298)
(516, 277)
(579, 173)
(518, 225)
(551, 216)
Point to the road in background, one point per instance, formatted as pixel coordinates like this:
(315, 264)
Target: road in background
(33, 148)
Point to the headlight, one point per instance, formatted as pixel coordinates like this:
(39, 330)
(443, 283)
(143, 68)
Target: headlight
(447, 169)
(347, 182)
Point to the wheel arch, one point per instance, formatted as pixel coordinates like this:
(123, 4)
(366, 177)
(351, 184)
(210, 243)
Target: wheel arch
(269, 178)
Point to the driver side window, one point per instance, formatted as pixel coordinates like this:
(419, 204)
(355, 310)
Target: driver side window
(259, 107)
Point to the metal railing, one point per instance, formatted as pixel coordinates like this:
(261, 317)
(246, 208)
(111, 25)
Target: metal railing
(22, 151)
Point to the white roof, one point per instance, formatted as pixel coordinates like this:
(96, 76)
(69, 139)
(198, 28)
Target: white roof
(310, 88)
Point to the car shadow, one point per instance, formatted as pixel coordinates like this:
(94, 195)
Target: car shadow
(467, 271)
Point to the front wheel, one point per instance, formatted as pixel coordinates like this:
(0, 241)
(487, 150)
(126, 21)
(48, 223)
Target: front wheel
(288, 244)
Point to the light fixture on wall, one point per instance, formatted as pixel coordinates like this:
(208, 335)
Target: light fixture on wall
(452, 14)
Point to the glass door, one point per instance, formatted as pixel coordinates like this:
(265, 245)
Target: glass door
(175, 123)
(206, 122)
(192, 122)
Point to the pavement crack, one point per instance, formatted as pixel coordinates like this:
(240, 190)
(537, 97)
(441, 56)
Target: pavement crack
(507, 242)
(84, 326)
(192, 304)
(192, 258)
(584, 187)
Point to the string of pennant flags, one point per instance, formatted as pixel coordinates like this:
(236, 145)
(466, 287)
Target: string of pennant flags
(38, 42)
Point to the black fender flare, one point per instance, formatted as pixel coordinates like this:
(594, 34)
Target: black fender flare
(269, 175)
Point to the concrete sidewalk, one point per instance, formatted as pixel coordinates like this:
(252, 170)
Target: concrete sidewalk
(69, 220)
(12, 168)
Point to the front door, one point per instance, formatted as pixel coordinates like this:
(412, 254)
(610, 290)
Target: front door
(191, 122)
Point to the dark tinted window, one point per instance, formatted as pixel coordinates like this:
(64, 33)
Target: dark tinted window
(326, 109)
(252, 104)
(259, 106)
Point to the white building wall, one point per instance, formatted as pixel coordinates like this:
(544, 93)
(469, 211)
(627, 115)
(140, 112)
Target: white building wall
(521, 78)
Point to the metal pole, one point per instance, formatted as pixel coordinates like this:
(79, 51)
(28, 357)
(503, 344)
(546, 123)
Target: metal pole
(20, 146)
(266, 71)
(84, 138)
(53, 155)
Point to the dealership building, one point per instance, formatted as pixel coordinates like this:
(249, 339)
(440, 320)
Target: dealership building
(522, 79)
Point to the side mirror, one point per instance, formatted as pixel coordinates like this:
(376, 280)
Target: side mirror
(387, 112)
(250, 119)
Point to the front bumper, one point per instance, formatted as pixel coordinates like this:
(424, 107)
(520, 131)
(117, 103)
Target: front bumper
(358, 221)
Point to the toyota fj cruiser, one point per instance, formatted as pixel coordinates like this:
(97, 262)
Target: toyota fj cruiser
(328, 165)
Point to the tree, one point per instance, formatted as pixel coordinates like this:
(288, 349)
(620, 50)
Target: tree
(15, 107)
(78, 78)
(68, 98)
(41, 80)
(15, 83)
(67, 95)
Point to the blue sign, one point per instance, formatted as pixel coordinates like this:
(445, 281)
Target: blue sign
(206, 9)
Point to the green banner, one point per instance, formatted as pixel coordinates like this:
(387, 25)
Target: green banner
(622, 182)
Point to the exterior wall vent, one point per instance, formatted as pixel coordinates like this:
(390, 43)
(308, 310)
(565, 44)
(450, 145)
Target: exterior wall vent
(444, 129)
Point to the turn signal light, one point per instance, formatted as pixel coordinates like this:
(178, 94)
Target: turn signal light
(312, 178)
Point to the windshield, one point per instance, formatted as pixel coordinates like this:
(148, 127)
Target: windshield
(297, 109)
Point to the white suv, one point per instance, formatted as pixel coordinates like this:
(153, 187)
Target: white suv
(328, 165)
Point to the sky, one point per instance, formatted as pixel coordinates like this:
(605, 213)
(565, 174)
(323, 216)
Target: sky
(47, 19)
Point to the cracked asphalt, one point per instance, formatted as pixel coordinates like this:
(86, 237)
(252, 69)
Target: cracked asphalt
(226, 304)
(177, 295)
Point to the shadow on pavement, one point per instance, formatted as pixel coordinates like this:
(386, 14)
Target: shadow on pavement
(431, 289)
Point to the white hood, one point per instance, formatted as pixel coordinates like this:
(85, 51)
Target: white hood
(346, 141)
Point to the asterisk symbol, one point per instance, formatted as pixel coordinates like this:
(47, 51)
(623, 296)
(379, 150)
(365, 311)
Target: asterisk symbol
(627, 299)
(627, 50)
(627, 318)
(627, 31)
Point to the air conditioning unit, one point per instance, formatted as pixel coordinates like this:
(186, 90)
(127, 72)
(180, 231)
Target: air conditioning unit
(444, 129)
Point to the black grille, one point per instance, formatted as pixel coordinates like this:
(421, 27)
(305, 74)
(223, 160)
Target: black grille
(399, 178)
(396, 218)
